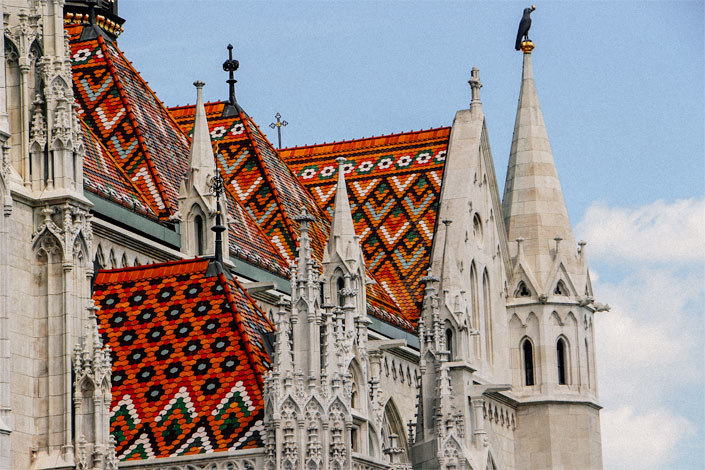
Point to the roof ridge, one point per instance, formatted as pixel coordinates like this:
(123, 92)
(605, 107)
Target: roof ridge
(131, 116)
(362, 139)
(117, 165)
(241, 328)
(156, 265)
(184, 106)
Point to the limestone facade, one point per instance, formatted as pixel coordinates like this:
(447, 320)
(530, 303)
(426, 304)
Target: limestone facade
(500, 373)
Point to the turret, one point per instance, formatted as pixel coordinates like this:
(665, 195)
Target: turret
(197, 203)
(549, 303)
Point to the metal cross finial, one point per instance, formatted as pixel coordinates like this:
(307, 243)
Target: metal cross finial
(278, 126)
(231, 66)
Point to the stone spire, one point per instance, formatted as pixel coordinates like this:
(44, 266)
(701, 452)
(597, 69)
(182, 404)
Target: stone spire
(343, 240)
(533, 203)
(201, 161)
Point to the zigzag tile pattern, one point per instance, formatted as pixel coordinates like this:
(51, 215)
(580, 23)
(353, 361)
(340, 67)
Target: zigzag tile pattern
(130, 133)
(259, 180)
(188, 360)
(126, 116)
(393, 184)
(104, 177)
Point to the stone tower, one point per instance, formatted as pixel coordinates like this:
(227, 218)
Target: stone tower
(321, 398)
(45, 252)
(549, 304)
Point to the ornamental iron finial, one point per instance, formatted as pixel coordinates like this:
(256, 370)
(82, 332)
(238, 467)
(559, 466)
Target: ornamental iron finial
(217, 188)
(278, 126)
(231, 66)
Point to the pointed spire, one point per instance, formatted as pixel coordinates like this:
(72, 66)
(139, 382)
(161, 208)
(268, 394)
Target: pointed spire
(533, 203)
(201, 159)
(342, 232)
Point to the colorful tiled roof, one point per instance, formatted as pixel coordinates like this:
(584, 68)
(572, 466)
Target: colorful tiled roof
(188, 359)
(259, 180)
(103, 176)
(135, 151)
(393, 185)
(129, 119)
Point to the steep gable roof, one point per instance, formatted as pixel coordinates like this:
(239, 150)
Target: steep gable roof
(188, 359)
(128, 118)
(258, 179)
(393, 184)
(136, 154)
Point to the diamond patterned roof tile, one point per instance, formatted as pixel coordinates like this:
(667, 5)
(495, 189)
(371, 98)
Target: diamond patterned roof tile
(259, 179)
(393, 184)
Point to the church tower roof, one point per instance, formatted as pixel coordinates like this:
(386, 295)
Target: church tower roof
(533, 203)
(201, 159)
(342, 238)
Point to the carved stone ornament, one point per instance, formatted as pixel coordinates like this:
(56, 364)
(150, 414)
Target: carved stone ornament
(71, 229)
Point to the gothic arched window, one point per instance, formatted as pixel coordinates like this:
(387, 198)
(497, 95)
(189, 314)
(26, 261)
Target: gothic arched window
(449, 343)
(198, 229)
(340, 285)
(561, 356)
(487, 304)
(528, 351)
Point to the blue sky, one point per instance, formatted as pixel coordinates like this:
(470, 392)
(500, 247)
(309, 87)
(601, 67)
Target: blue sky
(623, 95)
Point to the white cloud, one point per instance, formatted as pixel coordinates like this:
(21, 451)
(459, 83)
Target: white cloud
(656, 232)
(644, 441)
(652, 334)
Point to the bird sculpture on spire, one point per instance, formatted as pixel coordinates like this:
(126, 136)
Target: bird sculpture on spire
(524, 26)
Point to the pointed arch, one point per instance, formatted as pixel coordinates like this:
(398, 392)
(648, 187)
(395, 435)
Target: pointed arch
(357, 392)
(451, 340)
(198, 232)
(112, 260)
(563, 360)
(528, 361)
(393, 434)
(487, 310)
(475, 306)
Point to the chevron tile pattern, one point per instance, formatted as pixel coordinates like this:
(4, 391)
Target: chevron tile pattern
(393, 184)
(188, 360)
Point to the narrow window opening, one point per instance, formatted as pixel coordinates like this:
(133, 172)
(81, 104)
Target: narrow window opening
(560, 352)
(353, 439)
(449, 343)
(522, 290)
(560, 289)
(528, 363)
(198, 228)
(341, 298)
(587, 363)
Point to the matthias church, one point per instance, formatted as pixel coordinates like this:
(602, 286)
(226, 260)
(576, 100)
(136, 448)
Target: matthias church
(178, 293)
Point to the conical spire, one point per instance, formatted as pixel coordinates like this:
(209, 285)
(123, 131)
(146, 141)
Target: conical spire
(201, 160)
(342, 232)
(533, 203)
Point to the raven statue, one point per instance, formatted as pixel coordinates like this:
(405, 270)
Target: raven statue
(524, 27)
